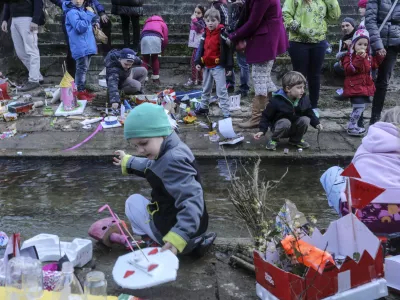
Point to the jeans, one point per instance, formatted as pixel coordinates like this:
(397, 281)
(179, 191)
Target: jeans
(244, 73)
(218, 74)
(125, 20)
(307, 58)
(283, 128)
(382, 81)
(82, 67)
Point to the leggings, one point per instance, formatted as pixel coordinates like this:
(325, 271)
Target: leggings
(155, 64)
(262, 80)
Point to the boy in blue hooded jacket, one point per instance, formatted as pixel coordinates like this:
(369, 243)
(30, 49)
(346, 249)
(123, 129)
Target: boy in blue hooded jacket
(78, 23)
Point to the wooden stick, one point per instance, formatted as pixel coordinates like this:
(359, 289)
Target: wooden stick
(243, 263)
(244, 257)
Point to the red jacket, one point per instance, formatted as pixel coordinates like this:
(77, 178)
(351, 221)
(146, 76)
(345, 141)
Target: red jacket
(212, 47)
(358, 80)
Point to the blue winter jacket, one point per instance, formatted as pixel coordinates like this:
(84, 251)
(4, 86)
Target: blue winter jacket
(78, 23)
(93, 3)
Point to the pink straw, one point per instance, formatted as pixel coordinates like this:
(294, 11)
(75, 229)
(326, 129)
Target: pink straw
(117, 222)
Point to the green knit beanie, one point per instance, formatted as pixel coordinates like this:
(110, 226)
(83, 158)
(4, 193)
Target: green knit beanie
(145, 121)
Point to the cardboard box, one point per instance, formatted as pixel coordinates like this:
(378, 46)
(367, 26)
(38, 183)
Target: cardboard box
(344, 237)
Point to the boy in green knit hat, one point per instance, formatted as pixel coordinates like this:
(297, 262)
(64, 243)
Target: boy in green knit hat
(176, 216)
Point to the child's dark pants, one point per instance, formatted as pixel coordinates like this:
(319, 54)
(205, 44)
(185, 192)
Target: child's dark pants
(294, 131)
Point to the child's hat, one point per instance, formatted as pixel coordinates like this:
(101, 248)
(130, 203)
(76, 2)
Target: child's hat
(128, 54)
(362, 3)
(147, 120)
(360, 33)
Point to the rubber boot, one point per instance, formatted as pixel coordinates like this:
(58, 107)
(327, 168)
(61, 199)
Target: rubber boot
(259, 104)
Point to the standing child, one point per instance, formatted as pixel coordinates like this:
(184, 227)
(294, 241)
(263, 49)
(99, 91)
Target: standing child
(197, 28)
(215, 56)
(362, 7)
(154, 41)
(78, 23)
(358, 83)
(288, 113)
(176, 217)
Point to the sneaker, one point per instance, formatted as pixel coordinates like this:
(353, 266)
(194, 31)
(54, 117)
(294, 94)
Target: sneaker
(201, 111)
(190, 82)
(213, 99)
(29, 86)
(356, 131)
(89, 96)
(302, 144)
(242, 94)
(205, 244)
(271, 145)
(81, 96)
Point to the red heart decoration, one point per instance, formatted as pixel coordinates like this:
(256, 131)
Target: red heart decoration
(129, 273)
(152, 267)
(154, 251)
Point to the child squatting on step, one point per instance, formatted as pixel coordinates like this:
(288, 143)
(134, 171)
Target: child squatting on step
(176, 216)
(288, 113)
(215, 56)
(358, 83)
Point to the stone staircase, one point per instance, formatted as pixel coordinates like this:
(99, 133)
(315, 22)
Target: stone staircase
(175, 60)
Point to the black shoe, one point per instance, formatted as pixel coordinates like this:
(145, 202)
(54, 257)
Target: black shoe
(230, 87)
(242, 94)
(201, 111)
(205, 244)
(374, 119)
(29, 86)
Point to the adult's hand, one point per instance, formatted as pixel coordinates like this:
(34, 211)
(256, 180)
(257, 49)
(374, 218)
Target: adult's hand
(104, 18)
(33, 27)
(381, 52)
(4, 27)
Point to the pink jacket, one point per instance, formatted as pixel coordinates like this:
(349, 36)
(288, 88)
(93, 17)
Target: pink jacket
(378, 160)
(157, 24)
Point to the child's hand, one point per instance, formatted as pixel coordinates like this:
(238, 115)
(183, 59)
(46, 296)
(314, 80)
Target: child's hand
(169, 246)
(88, 8)
(228, 73)
(381, 52)
(193, 16)
(198, 68)
(117, 160)
(320, 127)
(258, 135)
(4, 26)
(347, 43)
(104, 18)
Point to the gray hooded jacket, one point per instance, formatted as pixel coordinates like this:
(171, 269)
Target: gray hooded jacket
(377, 11)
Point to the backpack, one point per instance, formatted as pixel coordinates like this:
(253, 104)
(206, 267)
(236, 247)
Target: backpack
(42, 19)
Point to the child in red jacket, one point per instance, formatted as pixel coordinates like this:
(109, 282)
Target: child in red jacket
(358, 84)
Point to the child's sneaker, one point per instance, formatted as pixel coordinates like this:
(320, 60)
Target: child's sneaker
(271, 145)
(190, 82)
(302, 144)
(201, 111)
(356, 131)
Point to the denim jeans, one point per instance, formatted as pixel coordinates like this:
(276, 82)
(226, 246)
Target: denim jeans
(382, 80)
(307, 58)
(82, 67)
(244, 73)
(218, 74)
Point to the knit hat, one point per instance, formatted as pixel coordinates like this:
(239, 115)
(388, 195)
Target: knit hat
(127, 54)
(359, 34)
(350, 20)
(362, 3)
(147, 120)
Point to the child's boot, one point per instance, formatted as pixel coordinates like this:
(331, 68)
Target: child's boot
(205, 244)
(259, 104)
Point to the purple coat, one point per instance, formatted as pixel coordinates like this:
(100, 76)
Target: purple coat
(263, 31)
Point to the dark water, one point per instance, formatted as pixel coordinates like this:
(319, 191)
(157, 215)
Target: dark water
(62, 196)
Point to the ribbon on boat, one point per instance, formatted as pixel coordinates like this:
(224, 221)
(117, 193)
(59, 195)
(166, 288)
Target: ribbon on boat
(98, 129)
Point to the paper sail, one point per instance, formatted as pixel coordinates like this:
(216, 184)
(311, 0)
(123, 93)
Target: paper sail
(351, 171)
(134, 271)
(66, 80)
(3, 91)
(363, 193)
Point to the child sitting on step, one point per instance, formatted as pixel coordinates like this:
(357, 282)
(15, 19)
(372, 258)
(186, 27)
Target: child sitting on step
(176, 216)
(288, 113)
(197, 27)
(216, 58)
(78, 23)
(358, 83)
(154, 40)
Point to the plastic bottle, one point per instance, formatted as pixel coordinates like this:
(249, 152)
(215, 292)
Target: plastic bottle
(68, 287)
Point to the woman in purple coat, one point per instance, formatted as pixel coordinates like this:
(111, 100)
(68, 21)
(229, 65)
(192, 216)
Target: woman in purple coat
(261, 27)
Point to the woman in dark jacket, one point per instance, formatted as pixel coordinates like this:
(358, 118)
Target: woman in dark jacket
(265, 38)
(129, 11)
